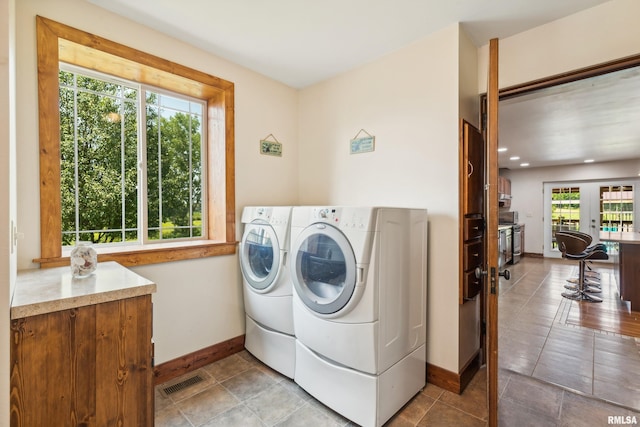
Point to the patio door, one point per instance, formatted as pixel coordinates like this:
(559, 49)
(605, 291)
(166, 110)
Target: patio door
(590, 207)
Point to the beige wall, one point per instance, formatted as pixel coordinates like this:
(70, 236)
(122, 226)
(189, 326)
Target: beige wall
(7, 192)
(199, 302)
(469, 328)
(600, 34)
(409, 101)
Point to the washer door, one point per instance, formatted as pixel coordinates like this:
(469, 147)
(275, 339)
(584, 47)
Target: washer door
(325, 268)
(259, 255)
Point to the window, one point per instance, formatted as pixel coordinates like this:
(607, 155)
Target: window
(147, 193)
(121, 183)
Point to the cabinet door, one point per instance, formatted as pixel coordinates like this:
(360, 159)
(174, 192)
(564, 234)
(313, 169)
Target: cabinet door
(472, 209)
(88, 366)
(473, 149)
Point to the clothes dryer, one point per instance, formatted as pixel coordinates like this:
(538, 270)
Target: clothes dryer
(359, 307)
(267, 286)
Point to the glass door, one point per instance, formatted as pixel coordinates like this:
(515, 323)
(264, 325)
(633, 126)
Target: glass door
(259, 256)
(598, 208)
(324, 274)
(563, 203)
(617, 211)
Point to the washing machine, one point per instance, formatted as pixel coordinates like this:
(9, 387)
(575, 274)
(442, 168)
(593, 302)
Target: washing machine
(267, 287)
(359, 307)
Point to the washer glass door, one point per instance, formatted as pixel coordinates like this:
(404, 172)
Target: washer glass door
(325, 268)
(259, 255)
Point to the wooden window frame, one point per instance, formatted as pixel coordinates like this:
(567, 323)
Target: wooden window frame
(58, 42)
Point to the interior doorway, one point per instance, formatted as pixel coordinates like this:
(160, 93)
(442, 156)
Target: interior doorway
(574, 192)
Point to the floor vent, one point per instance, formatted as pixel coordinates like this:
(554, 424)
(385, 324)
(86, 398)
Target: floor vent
(182, 385)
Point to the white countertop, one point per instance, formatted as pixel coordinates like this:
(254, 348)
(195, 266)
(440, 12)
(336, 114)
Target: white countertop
(46, 290)
(621, 237)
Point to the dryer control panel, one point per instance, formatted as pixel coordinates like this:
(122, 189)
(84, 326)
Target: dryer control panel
(350, 217)
(331, 215)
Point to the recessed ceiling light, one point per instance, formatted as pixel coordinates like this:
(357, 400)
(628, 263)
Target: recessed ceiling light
(524, 165)
(502, 149)
(589, 161)
(514, 158)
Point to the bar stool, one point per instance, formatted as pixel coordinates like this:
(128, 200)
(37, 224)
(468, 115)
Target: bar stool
(576, 248)
(589, 272)
(579, 243)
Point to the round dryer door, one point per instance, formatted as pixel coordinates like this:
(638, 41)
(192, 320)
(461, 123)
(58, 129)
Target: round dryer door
(325, 268)
(259, 255)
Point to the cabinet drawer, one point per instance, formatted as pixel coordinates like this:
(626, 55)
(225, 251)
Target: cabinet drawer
(472, 256)
(472, 285)
(473, 228)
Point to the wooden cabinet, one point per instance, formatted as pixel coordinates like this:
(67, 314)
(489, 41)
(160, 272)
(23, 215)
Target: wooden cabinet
(504, 192)
(471, 211)
(629, 274)
(89, 365)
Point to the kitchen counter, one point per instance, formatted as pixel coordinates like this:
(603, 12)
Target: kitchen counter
(620, 237)
(41, 291)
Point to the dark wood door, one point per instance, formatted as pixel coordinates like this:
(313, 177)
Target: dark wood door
(474, 156)
(473, 206)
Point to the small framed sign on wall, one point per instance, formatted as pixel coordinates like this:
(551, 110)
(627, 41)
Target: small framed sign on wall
(271, 146)
(362, 143)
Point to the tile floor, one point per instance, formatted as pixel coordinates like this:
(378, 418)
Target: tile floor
(552, 374)
(535, 339)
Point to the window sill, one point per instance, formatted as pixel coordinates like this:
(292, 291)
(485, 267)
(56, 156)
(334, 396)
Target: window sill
(131, 256)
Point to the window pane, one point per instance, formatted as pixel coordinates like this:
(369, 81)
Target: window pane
(174, 145)
(616, 208)
(99, 177)
(565, 211)
(96, 85)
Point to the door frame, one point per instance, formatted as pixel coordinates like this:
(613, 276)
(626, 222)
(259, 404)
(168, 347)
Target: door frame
(491, 200)
(492, 169)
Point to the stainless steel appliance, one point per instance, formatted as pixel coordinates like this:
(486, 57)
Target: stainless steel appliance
(517, 242)
(508, 217)
(505, 246)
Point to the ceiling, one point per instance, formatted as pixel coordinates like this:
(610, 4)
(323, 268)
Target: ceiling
(302, 42)
(593, 119)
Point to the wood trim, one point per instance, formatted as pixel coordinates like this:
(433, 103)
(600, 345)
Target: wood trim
(571, 76)
(451, 381)
(144, 255)
(492, 235)
(469, 371)
(532, 255)
(59, 42)
(461, 211)
(192, 361)
(49, 141)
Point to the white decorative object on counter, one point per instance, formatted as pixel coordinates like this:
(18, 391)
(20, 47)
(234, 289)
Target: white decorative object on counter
(84, 260)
